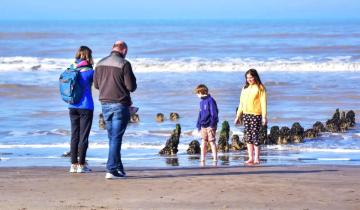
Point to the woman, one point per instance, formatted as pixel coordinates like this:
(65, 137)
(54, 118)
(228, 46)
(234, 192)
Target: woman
(252, 112)
(81, 113)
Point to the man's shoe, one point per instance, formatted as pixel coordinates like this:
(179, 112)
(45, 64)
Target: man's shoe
(113, 175)
(83, 169)
(122, 172)
(73, 168)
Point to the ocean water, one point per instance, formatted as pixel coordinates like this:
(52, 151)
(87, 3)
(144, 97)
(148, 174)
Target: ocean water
(309, 70)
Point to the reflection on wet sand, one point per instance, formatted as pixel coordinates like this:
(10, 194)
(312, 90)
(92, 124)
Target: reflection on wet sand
(172, 161)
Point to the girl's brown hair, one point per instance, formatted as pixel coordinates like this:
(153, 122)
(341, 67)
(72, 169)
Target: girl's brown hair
(256, 76)
(85, 53)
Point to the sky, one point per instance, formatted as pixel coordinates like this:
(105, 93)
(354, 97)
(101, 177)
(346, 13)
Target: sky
(178, 9)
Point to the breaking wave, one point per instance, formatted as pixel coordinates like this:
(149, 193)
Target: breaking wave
(183, 65)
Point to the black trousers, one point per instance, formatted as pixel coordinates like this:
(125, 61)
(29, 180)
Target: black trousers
(81, 121)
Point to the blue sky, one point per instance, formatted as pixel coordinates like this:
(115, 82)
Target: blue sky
(180, 9)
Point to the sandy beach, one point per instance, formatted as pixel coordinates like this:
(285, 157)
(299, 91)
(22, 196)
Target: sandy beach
(280, 187)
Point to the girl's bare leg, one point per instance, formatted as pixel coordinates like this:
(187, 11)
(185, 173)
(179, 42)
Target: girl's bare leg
(257, 155)
(250, 149)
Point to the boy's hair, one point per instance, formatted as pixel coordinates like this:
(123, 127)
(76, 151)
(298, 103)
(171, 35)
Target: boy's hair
(202, 89)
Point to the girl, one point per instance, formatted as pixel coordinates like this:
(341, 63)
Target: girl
(252, 112)
(81, 113)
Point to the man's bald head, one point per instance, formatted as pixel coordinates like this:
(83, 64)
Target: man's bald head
(121, 47)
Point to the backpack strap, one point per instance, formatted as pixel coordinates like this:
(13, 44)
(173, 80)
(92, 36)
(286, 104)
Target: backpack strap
(84, 68)
(72, 67)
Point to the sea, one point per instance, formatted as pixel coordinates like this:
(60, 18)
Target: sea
(309, 68)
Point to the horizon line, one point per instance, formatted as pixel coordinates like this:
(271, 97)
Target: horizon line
(186, 19)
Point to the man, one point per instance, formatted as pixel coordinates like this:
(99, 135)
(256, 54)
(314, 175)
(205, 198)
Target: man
(115, 80)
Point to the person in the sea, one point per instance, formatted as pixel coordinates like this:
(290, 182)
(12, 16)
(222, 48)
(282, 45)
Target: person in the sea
(252, 112)
(115, 80)
(81, 113)
(207, 121)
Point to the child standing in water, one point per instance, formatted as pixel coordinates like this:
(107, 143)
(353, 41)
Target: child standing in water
(252, 112)
(207, 121)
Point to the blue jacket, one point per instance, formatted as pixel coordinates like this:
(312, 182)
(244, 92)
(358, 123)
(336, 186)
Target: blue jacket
(86, 80)
(208, 115)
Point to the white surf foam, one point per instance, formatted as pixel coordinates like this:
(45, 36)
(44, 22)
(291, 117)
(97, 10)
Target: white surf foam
(183, 65)
(58, 132)
(334, 159)
(306, 149)
(125, 145)
(32, 64)
(34, 146)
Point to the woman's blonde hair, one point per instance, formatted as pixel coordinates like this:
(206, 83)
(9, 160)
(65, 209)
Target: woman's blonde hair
(85, 53)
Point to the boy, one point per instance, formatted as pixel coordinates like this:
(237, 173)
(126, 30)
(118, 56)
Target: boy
(207, 121)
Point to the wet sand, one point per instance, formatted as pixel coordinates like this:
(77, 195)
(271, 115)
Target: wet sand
(280, 187)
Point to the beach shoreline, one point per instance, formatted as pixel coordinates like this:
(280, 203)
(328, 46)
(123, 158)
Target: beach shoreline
(305, 77)
(42, 131)
(235, 187)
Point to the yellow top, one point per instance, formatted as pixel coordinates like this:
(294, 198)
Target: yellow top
(253, 101)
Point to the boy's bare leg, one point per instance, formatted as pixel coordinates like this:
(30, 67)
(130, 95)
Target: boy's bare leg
(257, 155)
(213, 150)
(250, 149)
(203, 150)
